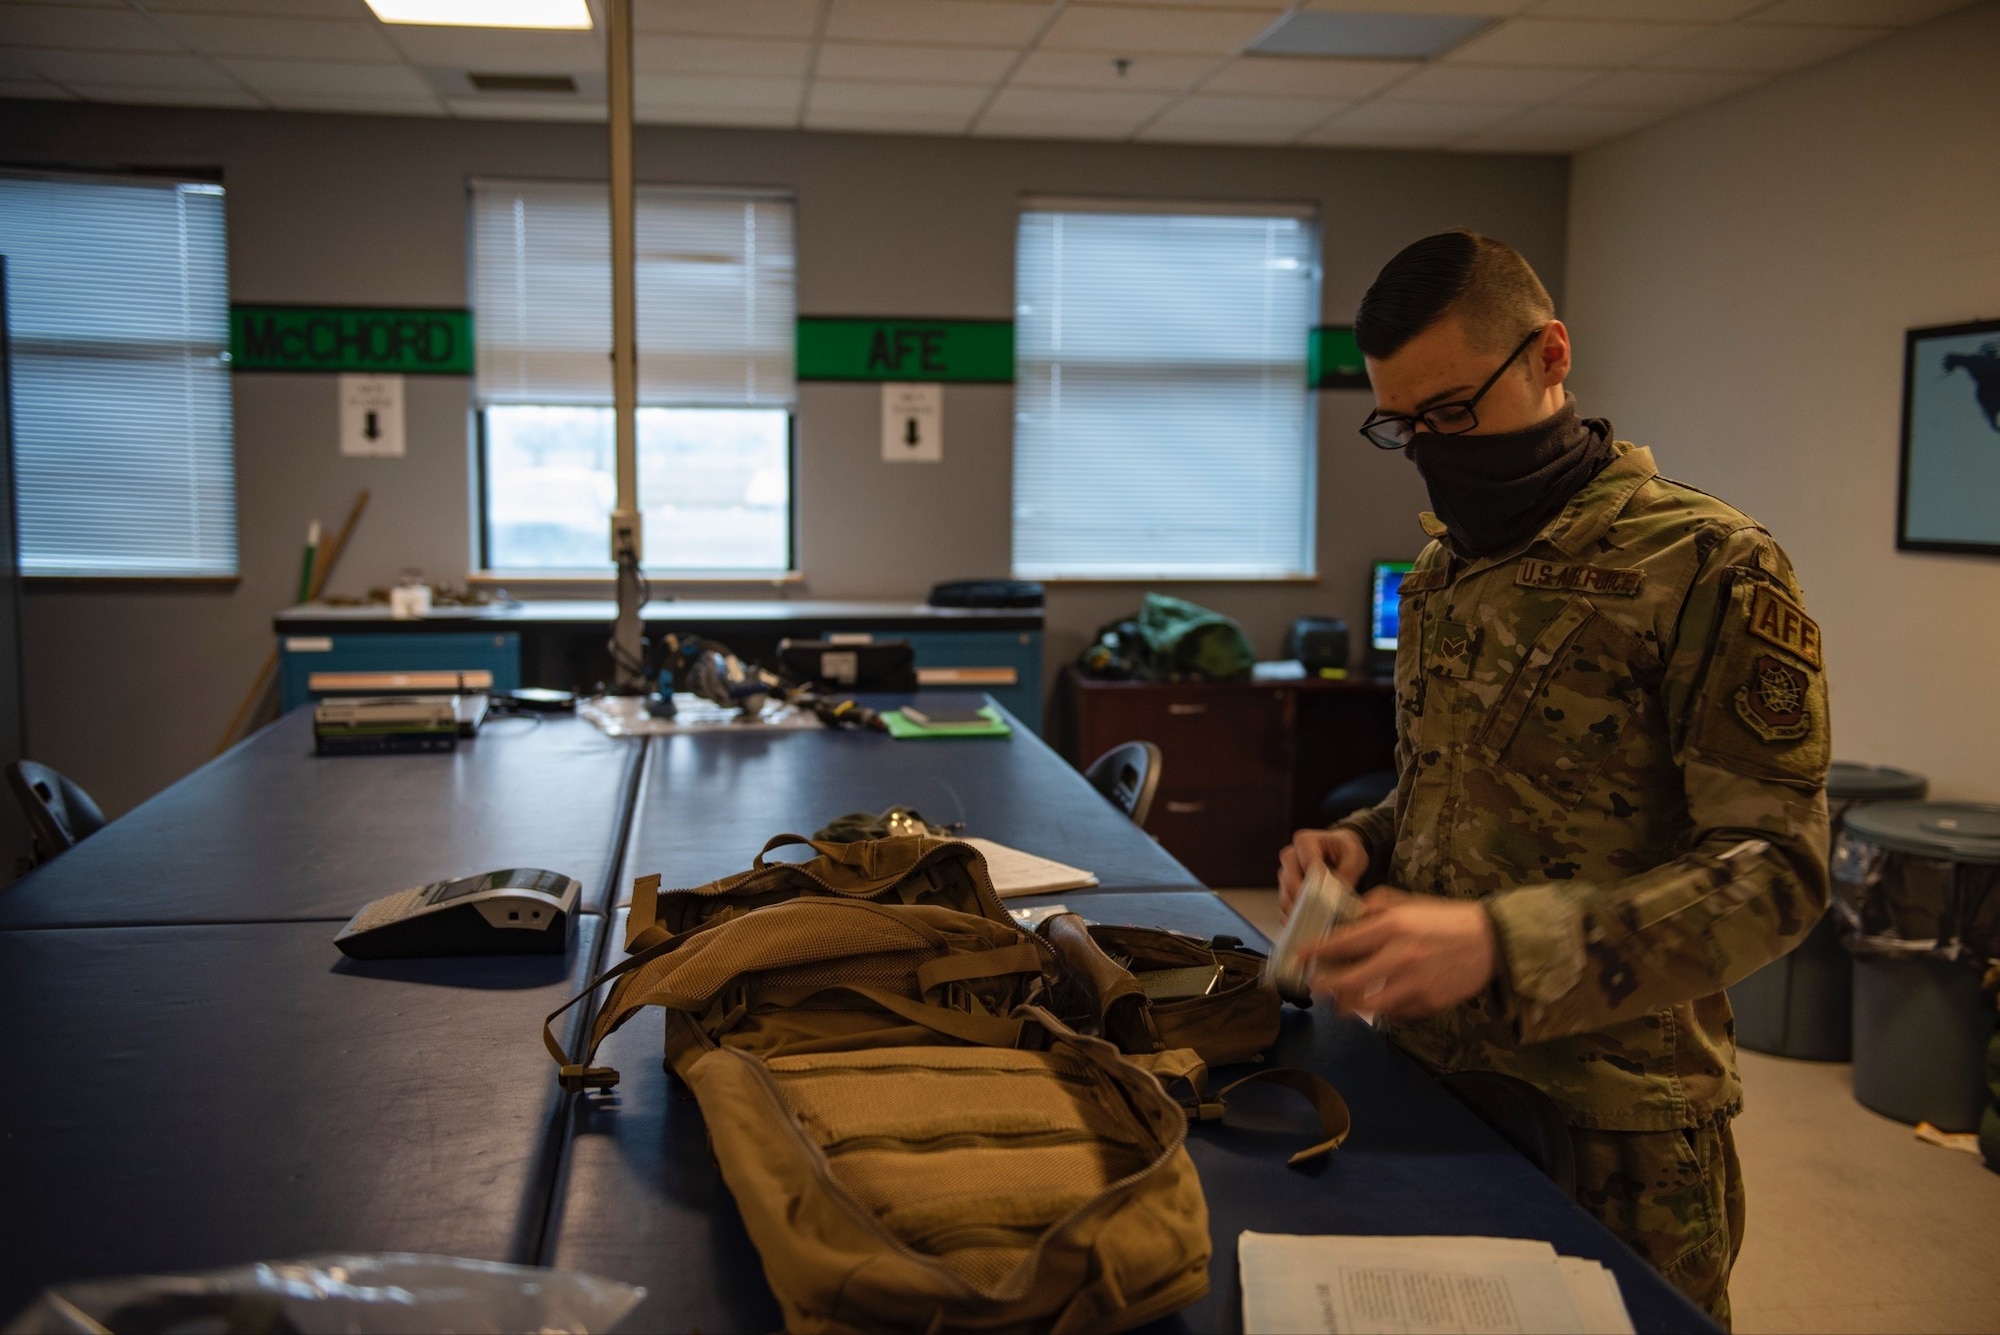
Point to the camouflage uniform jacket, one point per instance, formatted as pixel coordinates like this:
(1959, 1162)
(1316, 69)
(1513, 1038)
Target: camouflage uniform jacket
(1615, 739)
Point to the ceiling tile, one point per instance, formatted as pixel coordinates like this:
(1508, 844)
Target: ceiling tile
(697, 113)
(1061, 104)
(1441, 120)
(886, 122)
(1497, 8)
(73, 28)
(983, 65)
(1338, 135)
(1659, 90)
(727, 18)
(228, 96)
(498, 50)
(1269, 6)
(944, 22)
(303, 39)
(274, 78)
(1559, 129)
(1474, 83)
(356, 106)
(13, 68)
(1751, 48)
(1284, 117)
(1860, 13)
(36, 89)
(1268, 76)
(296, 9)
(526, 109)
(1082, 69)
(1125, 30)
(1197, 132)
(1658, 11)
(912, 99)
(694, 90)
(1570, 43)
(126, 69)
(680, 53)
(1037, 127)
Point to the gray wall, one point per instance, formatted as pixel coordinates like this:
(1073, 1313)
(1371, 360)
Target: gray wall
(130, 688)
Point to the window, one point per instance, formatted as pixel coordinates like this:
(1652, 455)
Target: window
(1163, 426)
(118, 306)
(716, 318)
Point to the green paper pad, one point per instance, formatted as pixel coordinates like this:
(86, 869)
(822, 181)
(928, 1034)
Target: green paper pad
(992, 726)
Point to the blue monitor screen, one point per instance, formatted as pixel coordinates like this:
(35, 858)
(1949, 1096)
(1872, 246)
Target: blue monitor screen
(1388, 587)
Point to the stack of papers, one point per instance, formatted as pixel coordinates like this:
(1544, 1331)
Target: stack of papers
(1413, 1286)
(1018, 873)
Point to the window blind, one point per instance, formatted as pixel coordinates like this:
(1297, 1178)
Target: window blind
(119, 312)
(715, 296)
(1163, 422)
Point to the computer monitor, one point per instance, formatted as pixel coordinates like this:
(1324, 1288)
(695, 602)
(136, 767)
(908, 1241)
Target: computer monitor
(1387, 586)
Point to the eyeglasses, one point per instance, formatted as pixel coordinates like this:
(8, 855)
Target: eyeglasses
(1393, 431)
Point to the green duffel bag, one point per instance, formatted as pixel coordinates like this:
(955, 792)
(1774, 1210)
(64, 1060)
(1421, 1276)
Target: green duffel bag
(1191, 641)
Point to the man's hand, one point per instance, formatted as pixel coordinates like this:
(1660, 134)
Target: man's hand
(1339, 849)
(1407, 956)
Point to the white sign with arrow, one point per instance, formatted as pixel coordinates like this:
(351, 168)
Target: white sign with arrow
(371, 415)
(912, 423)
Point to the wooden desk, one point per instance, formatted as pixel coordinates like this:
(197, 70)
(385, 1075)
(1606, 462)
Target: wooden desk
(1245, 763)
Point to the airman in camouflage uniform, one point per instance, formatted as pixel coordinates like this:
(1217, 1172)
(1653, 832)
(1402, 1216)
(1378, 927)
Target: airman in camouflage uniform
(1617, 740)
(1611, 750)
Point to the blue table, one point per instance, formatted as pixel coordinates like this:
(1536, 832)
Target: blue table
(270, 832)
(194, 1096)
(641, 1199)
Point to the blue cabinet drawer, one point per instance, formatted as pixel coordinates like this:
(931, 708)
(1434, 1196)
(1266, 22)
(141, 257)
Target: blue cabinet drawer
(299, 656)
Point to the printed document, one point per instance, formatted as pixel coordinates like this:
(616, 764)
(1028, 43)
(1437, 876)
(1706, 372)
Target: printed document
(1417, 1286)
(1018, 873)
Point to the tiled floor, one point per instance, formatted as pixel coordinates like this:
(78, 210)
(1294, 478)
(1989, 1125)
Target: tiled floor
(1855, 1224)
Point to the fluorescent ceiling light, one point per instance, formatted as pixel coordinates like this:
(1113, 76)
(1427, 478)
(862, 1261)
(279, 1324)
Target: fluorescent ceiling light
(1367, 36)
(485, 13)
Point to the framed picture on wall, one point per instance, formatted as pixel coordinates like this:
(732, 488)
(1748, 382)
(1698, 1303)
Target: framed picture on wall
(1949, 495)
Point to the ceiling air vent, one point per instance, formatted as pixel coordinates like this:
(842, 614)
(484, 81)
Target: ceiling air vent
(522, 83)
(1368, 36)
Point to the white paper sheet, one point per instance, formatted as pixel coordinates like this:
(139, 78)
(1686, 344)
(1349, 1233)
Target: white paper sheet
(1417, 1286)
(1018, 873)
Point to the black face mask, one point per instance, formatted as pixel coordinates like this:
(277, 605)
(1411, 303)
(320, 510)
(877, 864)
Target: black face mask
(1495, 492)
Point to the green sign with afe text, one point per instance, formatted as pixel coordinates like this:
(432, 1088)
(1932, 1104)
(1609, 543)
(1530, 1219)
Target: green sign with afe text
(352, 339)
(1333, 359)
(965, 351)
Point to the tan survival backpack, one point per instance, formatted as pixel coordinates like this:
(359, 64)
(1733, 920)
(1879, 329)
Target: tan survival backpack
(914, 1137)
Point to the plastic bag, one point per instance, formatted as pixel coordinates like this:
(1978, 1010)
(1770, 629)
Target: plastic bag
(386, 1292)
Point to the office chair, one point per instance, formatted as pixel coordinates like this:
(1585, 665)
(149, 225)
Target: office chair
(1128, 775)
(59, 813)
(1523, 1116)
(1357, 794)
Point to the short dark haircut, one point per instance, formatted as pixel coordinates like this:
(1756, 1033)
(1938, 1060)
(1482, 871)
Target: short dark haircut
(1485, 282)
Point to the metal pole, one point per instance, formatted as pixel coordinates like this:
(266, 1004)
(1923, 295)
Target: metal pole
(627, 635)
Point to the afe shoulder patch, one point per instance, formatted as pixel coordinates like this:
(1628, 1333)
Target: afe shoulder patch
(1773, 701)
(1778, 620)
(1621, 583)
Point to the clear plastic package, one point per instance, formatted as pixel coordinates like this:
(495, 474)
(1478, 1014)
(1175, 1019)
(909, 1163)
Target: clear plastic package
(384, 1292)
(1325, 902)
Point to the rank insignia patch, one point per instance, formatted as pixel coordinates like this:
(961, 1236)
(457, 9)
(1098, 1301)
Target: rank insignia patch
(1451, 649)
(1773, 701)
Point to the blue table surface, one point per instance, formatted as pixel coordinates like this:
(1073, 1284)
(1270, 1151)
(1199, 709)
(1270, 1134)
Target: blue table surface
(188, 1097)
(710, 800)
(641, 1199)
(270, 832)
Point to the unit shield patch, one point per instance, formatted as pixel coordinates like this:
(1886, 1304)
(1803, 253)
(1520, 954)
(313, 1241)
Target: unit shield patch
(1773, 701)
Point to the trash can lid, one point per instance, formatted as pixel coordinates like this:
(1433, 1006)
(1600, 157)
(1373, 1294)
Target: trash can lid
(1958, 831)
(1849, 782)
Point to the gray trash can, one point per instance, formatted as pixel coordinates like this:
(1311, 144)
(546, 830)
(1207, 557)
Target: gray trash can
(1917, 886)
(1802, 1005)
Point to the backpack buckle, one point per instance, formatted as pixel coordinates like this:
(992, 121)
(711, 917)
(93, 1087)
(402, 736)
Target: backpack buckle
(577, 1078)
